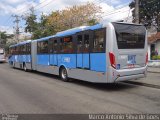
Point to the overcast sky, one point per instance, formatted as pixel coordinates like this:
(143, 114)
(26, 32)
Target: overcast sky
(113, 9)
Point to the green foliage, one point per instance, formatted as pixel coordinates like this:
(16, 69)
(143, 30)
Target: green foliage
(149, 12)
(31, 24)
(3, 40)
(4, 37)
(88, 14)
(156, 57)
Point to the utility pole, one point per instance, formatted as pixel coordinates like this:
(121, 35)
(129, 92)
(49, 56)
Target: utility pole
(158, 22)
(17, 20)
(158, 17)
(137, 11)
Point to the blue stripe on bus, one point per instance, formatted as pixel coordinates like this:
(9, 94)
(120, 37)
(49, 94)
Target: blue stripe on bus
(69, 60)
(20, 58)
(53, 59)
(98, 62)
(79, 60)
(94, 61)
(86, 60)
(43, 59)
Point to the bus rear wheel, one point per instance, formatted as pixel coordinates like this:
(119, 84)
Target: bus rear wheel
(63, 74)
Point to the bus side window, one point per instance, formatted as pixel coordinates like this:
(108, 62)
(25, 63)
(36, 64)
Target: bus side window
(79, 43)
(66, 45)
(55, 46)
(39, 48)
(28, 48)
(86, 43)
(99, 41)
(50, 48)
(24, 49)
(44, 47)
(61, 45)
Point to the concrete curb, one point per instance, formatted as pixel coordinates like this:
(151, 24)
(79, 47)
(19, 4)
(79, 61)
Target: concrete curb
(153, 69)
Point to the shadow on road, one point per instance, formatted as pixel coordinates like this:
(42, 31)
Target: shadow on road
(99, 86)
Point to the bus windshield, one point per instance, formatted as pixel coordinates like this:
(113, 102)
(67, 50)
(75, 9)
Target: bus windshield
(130, 36)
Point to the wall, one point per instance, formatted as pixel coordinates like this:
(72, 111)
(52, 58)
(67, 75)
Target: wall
(157, 46)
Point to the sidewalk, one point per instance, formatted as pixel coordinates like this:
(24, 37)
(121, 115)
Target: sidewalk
(152, 78)
(154, 69)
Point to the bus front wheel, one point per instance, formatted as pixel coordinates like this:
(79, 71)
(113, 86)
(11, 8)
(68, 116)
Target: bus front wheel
(63, 74)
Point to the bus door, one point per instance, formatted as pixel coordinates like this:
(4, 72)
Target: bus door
(53, 47)
(83, 49)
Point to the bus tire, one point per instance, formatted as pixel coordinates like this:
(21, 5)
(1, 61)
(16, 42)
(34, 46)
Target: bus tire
(25, 67)
(63, 74)
(13, 65)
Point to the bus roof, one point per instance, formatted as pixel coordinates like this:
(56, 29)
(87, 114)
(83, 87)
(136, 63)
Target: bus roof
(21, 43)
(78, 29)
(65, 33)
(45, 38)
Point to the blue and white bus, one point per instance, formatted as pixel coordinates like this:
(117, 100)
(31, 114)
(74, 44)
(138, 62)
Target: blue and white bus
(103, 53)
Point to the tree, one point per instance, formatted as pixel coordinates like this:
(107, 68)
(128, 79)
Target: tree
(4, 37)
(3, 40)
(149, 12)
(88, 14)
(31, 24)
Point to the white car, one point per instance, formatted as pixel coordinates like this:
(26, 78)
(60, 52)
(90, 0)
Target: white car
(2, 55)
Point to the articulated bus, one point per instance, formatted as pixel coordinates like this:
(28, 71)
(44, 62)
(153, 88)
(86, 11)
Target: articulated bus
(103, 53)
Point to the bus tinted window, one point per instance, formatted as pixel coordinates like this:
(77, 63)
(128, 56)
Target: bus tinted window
(42, 47)
(28, 48)
(99, 41)
(130, 36)
(86, 43)
(66, 45)
(23, 49)
(79, 43)
(55, 46)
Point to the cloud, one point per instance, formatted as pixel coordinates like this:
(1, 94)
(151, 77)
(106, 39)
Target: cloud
(107, 7)
(119, 14)
(8, 7)
(9, 29)
(12, 2)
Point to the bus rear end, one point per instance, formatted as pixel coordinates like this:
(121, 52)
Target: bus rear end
(2, 55)
(128, 55)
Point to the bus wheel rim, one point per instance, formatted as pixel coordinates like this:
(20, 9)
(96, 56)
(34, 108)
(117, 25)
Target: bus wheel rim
(64, 74)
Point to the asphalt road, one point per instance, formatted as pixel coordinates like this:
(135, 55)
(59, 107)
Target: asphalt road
(34, 92)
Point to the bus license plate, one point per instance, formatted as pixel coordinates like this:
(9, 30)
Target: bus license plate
(131, 61)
